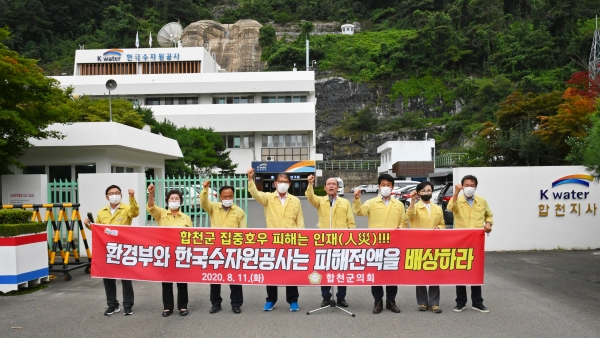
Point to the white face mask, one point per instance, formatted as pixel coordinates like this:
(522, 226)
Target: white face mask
(282, 188)
(385, 192)
(469, 191)
(114, 199)
(227, 203)
(174, 205)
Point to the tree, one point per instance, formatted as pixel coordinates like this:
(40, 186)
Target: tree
(87, 110)
(29, 102)
(591, 147)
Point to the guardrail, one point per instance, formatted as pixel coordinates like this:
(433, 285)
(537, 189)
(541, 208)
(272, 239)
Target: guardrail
(348, 165)
(448, 160)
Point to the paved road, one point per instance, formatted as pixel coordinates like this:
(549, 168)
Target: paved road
(530, 294)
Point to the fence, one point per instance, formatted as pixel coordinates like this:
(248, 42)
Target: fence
(62, 192)
(448, 160)
(348, 165)
(191, 188)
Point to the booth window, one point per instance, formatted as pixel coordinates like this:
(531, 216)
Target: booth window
(153, 101)
(34, 170)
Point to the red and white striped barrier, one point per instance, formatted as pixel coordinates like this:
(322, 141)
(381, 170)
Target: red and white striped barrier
(24, 261)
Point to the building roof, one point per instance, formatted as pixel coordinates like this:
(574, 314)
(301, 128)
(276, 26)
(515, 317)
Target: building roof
(110, 134)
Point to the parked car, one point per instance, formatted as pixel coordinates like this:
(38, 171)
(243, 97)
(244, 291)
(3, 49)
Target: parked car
(435, 193)
(403, 194)
(365, 188)
(402, 184)
(442, 200)
(340, 182)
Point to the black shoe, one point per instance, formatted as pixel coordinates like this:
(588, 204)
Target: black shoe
(378, 307)
(459, 307)
(111, 310)
(342, 302)
(128, 312)
(325, 302)
(391, 305)
(480, 308)
(215, 308)
(167, 313)
(236, 310)
(183, 313)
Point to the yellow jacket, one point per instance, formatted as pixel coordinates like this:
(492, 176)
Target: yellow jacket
(164, 218)
(235, 217)
(341, 215)
(466, 216)
(288, 215)
(122, 216)
(381, 216)
(420, 218)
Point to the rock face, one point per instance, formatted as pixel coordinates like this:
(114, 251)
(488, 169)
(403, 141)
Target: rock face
(337, 96)
(235, 46)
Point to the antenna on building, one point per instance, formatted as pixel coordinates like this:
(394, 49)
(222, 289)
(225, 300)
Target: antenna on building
(170, 35)
(594, 63)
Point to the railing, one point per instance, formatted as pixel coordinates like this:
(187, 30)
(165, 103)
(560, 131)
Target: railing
(448, 160)
(62, 192)
(191, 188)
(348, 165)
(312, 33)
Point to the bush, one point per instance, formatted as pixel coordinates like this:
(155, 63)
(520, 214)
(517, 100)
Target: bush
(15, 216)
(320, 190)
(11, 230)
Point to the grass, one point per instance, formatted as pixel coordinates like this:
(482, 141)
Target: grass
(24, 291)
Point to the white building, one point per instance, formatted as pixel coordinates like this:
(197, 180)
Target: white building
(348, 29)
(98, 147)
(263, 116)
(407, 159)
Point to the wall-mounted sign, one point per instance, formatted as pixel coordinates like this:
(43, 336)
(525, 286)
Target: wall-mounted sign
(115, 55)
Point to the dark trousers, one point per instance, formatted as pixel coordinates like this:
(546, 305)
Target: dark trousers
(326, 292)
(430, 300)
(461, 295)
(167, 296)
(291, 294)
(237, 295)
(110, 287)
(390, 290)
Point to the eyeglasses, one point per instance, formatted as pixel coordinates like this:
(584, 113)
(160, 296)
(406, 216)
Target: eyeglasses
(287, 182)
(426, 191)
(114, 194)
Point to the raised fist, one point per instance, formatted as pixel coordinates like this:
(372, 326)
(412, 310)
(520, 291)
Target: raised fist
(413, 195)
(311, 179)
(250, 173)
(457, 188)
(151, 189)
(357, 194)
(131, 192)
(206, 184)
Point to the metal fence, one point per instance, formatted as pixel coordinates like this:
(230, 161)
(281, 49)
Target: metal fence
(62, 192)
(448, 160)
(191, 188)
(348, 165)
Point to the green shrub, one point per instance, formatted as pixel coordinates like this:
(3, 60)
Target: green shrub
(15, 216)
(11, 230)
(320, 190)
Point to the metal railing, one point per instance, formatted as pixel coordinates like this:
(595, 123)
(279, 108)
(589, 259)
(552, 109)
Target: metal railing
(62, 192)
(448, 160)
(349, 165)
(191, 187)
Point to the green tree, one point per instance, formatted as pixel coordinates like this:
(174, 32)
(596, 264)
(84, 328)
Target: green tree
(28, 104)
(591, 147)
(87, 110)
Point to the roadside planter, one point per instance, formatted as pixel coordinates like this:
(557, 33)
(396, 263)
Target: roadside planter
(23, 250)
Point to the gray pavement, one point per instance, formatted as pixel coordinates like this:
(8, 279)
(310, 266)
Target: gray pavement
(530, 294)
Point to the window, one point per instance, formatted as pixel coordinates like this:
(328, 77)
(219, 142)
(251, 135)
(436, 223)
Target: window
(59, 172)
(84, 169)
(34, 170)
(239, 141)
(233, 100)
(182, 100)
(152, 101)
(283, 99)
(169, 101)
(118, 169)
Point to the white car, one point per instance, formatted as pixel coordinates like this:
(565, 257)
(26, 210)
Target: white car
(365, 188)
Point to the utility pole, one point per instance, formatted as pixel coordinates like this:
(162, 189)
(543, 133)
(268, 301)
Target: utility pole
(594, 64)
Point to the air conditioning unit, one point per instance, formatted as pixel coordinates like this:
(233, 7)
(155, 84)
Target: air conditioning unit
(270, 158)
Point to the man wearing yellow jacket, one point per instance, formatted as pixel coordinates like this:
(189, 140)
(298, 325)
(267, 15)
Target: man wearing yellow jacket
(224, 214)
(384, 212)
(426, 215)
(282, 210)
(470, 211)
(117, 213)
(334, 213)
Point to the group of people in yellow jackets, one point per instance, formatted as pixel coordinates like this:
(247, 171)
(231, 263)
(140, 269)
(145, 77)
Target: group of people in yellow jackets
(283, 210)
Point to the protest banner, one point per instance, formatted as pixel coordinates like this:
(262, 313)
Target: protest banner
(289, 257)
